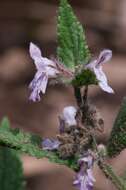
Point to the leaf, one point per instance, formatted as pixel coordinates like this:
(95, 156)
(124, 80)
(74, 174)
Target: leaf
(11, 172)
(72, 47)
(117, 140)
(30, 144)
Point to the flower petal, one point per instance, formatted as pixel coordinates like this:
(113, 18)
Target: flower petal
(69, 114)
(104, 56)
(103, 83)
(84, 178)
(48, 144)
(86, 159)
(90, 176)
(106, 87)
(34, 50)
(35, 54)
(100, 75)
(84, 181)
(44, 82)
(38, 84)
(34, 96)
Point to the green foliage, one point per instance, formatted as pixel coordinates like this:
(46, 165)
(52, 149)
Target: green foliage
(30, 144)
(72, 47)
(86, 77)
(117, 141)
(11, 172)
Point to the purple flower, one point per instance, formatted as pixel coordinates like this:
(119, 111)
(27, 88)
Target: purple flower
(84, 179)
(96, 67)
(46, 69)
(86, 159)
(49, 144)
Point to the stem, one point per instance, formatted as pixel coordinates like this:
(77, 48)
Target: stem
(84, 106)
(78, 97)
(85, 96)
(108, 171)
(106, 168)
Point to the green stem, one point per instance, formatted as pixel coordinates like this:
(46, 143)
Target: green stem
(110, 174)
(108, 171)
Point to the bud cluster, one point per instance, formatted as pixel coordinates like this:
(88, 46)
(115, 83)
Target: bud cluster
(76, 129)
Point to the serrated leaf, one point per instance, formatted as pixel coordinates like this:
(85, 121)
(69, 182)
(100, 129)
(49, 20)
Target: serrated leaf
(117, 140)
(30, 144)
(72, 47)
(11, 172)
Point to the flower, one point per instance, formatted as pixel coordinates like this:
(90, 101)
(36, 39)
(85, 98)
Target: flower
(96, 67)
(85, 179)
(49, 144)
(69, 114)
(67, 118)
(46, 69)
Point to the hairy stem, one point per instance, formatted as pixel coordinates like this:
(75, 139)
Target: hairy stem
(107, 169)
(110, 174)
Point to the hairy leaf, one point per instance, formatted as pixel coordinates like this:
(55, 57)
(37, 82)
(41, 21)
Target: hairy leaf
(11, 172)
(72, 47)
(30, 144)
(117, 141)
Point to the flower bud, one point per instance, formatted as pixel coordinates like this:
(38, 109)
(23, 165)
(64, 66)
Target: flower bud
(69, 114)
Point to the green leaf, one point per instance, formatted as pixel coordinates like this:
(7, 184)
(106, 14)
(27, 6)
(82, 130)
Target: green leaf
(117, 140)
(72, 47)
(30, 144)
(11, 172)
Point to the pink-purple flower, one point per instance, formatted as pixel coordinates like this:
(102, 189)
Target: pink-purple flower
(46, 69)
(50, 144)
(85, 179)
(96, 67)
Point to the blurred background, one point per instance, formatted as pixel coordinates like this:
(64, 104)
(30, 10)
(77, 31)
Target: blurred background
(35, 20)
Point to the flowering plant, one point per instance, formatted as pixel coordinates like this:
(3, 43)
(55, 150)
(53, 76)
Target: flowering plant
(76, 144)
